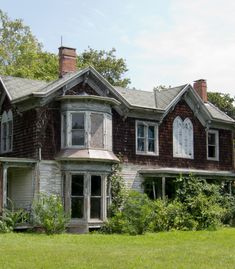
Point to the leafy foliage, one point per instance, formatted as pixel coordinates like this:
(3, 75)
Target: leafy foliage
(118, 191)
(135, 216)
(21, 55)
(11, 217)
(106, 63)
(224, 102)
(48, 213)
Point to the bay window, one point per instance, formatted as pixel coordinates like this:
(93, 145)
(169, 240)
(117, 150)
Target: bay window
(86, 129)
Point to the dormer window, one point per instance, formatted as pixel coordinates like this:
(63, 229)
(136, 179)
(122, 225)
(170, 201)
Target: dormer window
(6, 131)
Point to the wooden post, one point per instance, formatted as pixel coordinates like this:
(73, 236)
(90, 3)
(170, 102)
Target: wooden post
(154, 191)
(4, 186)
(163, 187)
(1, 188)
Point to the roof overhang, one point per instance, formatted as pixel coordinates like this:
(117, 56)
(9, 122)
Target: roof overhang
(172, 172)
(17, 162)
(101, 99)
(87, 155)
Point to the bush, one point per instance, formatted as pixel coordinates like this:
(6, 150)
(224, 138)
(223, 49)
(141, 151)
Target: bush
(134, 218)
(11, 217)
(201, 201)
(48, 213)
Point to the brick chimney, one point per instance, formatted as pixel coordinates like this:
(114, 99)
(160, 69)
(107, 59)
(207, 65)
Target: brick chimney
(201, 88)
(67, 60)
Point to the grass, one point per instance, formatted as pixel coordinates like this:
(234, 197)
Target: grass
(204, 249)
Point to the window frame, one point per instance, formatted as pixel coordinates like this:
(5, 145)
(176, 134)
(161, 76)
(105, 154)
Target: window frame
(216, 132)
(66, 132)
(147, 124)
(7, 120)
(190, 139)
(87, 196)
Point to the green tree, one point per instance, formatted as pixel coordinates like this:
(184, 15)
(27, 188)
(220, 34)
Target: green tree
(107, 64)
(21, 55)
(224, 102)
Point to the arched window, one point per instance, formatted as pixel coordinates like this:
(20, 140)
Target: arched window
(182, 138)
(6, 131)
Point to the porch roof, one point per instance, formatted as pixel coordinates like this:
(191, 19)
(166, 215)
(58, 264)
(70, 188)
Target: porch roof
(17, 161)
(167, 171)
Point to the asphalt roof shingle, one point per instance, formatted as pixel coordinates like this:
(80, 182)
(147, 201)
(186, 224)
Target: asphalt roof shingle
(21, 87)
(156, 99)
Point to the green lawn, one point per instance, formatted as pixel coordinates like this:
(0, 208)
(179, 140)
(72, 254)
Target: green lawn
(163, 250)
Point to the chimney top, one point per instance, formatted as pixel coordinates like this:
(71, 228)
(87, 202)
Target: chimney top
(67, 60)
(200, 86)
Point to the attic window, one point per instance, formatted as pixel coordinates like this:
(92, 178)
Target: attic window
(182, 138)
(146, 138)
(6, 131)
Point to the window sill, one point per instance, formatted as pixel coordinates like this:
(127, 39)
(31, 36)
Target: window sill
(184, 157)
(213, 159)
(147, 154)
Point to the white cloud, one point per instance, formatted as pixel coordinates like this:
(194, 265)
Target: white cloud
(199, 43)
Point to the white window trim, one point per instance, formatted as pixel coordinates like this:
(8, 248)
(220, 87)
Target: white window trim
(216, 132)
(6, 118)
(87, 126)
(156, 140)
(183, 155)
(87, 196)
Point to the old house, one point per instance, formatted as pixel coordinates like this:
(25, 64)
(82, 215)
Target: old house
(64, 136)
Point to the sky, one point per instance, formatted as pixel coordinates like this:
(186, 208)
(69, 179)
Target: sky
(170, 42)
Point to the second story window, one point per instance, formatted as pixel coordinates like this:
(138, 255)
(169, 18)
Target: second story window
(86, 129)
(78, 129)
(146, 138)
(6, 131)
(182, 138)
(213, 145)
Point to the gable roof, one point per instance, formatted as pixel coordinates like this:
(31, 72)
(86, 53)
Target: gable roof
(161, 100)
(20, 87)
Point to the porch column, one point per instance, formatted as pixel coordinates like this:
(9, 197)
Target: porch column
(163, 188)
(4, 185)
(1, 187)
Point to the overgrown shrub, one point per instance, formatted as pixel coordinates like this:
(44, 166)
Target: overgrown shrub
(201, 201)
(135, 217)
(118, 191)
(48, 213)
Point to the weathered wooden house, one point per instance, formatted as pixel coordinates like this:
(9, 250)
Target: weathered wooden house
(64, 136)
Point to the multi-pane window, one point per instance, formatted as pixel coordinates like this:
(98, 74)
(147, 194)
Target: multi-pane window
(78, 129)
(146, 138)
(86, 130)
(213, 145)
(77, 196)
(183, 138)
(6, 131)
(95, 200)
(88, 196)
